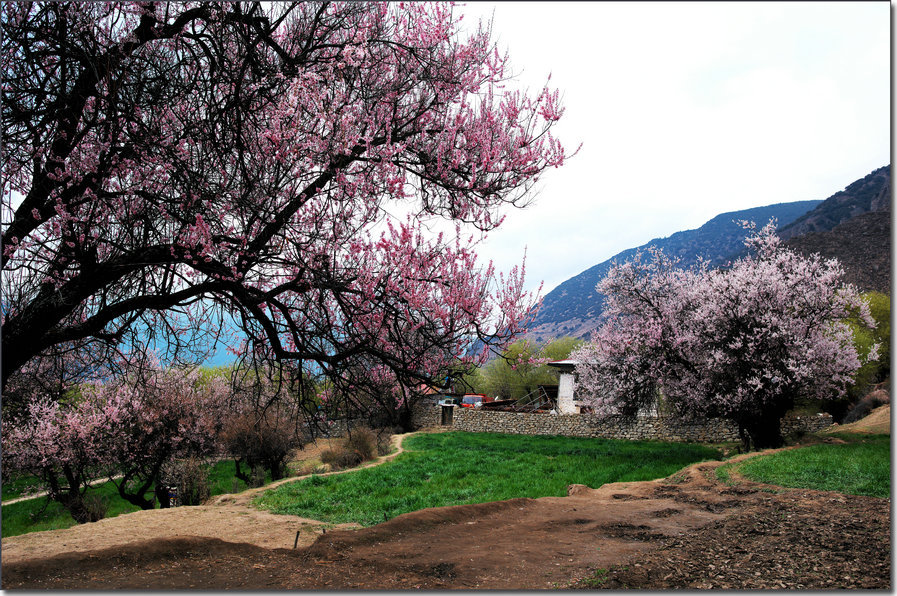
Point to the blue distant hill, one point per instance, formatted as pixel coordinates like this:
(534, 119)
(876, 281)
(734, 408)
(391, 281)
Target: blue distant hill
(573, 307)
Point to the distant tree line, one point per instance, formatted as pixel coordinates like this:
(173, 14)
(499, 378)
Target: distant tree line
(521, 369)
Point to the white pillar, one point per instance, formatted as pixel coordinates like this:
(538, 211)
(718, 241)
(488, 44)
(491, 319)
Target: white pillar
(565, 394)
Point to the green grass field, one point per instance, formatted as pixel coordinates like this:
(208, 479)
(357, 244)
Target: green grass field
(16, 487)
(35, 515)
(862, 466)
(456, 468)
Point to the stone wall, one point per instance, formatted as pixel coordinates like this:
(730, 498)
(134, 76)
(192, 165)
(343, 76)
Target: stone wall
(805, 424)
(426, 415)
(584, 425)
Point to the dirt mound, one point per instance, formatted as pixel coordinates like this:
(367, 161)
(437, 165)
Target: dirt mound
(228, 523)
(161, 564)
(415, 522)
(687, 531)
(796, 540)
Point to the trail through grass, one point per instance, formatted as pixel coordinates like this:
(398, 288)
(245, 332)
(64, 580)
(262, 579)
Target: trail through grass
(35, 515)
(14, 488)
(456, 468)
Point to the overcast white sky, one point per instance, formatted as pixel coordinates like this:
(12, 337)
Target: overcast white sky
(688, 110)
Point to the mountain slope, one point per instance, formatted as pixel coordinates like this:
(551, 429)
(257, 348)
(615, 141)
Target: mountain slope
(573, 307)
(868, 194)
(863, 246)
(853, 226)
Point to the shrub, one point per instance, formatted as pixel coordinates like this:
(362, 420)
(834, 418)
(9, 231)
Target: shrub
(96, 507)
(384, 439)
(361, 445)
(362, 441)
(340, 458)
(190, 478)
(261, 442)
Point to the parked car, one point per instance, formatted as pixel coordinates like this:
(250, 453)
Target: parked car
(450, 401)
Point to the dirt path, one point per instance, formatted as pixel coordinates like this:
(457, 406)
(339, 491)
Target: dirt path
(243, 498)
(40, 494)
(227, 517)
(690, 527)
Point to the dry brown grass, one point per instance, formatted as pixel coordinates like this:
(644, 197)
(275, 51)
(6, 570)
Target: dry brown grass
(878, 422)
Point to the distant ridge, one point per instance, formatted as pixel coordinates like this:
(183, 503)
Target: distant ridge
(573, 307)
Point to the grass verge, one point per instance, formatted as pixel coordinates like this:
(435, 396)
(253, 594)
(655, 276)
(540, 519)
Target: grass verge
(861, 466)
(38, 514)
(457, 468)
(13, 488)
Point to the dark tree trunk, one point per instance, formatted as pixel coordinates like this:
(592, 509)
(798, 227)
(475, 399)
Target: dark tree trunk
(762, 430)
(765, 433)
(238, 472)
(75, 505)
(277, 468)
(137, 498)
(162, 493)
(274, 465)
(71, 496)
(405, 419)
(761, 433)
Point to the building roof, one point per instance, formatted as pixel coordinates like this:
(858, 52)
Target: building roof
(564, 365)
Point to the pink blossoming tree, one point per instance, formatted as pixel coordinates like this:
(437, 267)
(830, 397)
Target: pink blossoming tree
(125, 430)
(152, 418)
(170, 167)
(62, 447)
(741, 343)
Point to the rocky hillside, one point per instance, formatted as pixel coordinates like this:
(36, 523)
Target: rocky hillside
(869, 194)
(863, 246)
(853, 226)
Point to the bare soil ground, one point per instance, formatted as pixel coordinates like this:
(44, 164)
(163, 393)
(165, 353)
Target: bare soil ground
(686, 531)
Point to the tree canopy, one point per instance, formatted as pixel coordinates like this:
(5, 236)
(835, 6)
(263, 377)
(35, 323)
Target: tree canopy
(170, 167)
(522, 368)
(741, 342)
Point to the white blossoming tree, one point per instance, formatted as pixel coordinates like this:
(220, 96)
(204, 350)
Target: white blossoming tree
(740, 343)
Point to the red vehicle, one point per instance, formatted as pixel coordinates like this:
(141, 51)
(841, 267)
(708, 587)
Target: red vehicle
(474, 400)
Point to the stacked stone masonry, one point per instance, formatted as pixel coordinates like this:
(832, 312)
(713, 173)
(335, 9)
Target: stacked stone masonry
(584, 425)
(425, 416)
